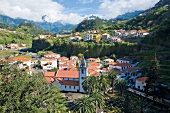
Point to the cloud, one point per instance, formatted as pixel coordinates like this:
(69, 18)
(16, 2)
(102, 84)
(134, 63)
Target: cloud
(112, 8)
(85, 1)
(35, 9)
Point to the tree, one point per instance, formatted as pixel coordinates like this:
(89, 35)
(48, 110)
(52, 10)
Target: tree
(98, 99)
(85, 105)
(90, 84)
(112, 75)
(121, 86)
(103, 83)
(21, 92)
(154, 78)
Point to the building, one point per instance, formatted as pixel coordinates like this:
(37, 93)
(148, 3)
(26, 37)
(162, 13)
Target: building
(44, 36)
(107, 61)
(92, 37)
(52, 55)
(141, 83)
(93, 60)
(71, 80)
(105, 36)
(48, 64)
(124, 60)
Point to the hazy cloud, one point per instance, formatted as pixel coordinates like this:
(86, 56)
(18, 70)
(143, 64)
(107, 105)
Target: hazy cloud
(112, 8)
(35, 9)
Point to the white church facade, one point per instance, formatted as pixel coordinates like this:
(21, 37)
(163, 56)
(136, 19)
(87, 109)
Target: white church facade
(71, 79)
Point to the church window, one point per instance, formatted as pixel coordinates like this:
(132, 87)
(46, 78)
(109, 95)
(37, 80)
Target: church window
(82, 71)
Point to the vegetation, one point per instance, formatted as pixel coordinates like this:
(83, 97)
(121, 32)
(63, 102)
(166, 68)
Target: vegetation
(21, 92)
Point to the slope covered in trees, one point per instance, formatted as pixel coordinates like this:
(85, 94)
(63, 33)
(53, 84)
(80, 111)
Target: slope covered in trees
(22, 93)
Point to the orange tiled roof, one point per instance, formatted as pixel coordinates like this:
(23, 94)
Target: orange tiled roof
(49, 74)
(142, 79)
(93, 64)
(67, 74)
(112, 63)
(49, 79)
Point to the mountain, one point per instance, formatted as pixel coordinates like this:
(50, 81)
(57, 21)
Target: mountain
(128, 15)
(53, 27)
(91, 23)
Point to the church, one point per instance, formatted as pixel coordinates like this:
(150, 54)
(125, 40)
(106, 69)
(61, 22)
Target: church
(71, 79)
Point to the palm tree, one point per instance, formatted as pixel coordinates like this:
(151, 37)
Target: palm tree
(112, 75)
(90, 84)
(98, 99)
(85, 105)
(121, 85)
(103, 83)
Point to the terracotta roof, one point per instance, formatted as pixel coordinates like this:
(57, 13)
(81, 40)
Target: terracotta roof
(142, 79)
(22, 59)
(67, 74)
(93, 64)
(49, 74)
(69, 83)
(49, 79)
(52, 59)
(112, 63)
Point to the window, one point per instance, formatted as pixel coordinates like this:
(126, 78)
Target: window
(82, 77)
(70, 87)
(65, 86)
(82, 71)
(74, 87)
(138, 87)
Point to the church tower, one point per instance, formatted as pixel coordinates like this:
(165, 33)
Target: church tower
(83, 72)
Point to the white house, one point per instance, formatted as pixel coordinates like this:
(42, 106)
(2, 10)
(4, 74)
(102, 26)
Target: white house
(107, 61)
(48, 64)
(124, 60)
(52, 55)
(93, 60)
(71, 80)
(105, 36)
(141, 83)
(120, 66)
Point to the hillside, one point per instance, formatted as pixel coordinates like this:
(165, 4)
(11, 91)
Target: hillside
(22, 34)
(52, 27)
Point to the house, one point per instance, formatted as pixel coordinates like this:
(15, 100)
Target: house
(24, 62)
(52, 55)
(48, 64)
(115, 39)
(141, 83)
(66, 64)
(12, 46)
(71, 80)
(105, 36)
(124, 60)
(120, 66)
(49, 76)
(94, 64)
(142, 33)
(93, 60)
(92, 37)
(74, 59)
(44, 36)
(107, 61)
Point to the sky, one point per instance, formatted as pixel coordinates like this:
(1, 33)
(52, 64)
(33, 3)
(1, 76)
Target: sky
(70, 11)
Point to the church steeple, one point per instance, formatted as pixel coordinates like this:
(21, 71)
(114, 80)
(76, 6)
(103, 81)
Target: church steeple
(83, 62)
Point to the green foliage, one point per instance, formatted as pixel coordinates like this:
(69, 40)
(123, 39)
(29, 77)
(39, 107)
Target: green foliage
(21, 92)
(93, 23)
